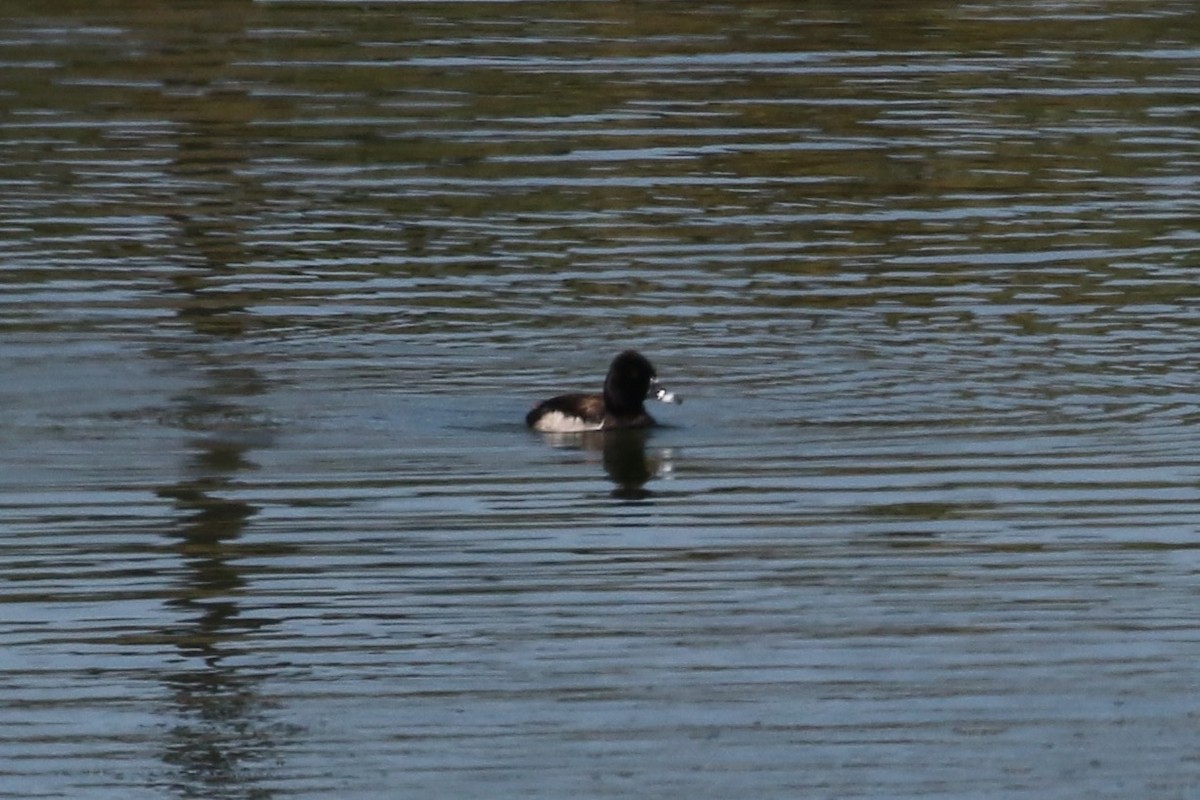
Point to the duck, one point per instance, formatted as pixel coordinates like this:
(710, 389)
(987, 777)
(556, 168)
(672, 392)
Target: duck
(630, 381)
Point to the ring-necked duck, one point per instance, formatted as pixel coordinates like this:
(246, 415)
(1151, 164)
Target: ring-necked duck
(630, 380)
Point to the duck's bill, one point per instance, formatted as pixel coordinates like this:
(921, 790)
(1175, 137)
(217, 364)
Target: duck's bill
(662, 394)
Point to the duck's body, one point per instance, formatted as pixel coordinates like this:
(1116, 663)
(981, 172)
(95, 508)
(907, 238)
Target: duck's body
(575, 413)
(631, 379)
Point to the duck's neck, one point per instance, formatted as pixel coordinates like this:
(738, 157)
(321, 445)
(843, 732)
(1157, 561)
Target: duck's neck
(615, 403)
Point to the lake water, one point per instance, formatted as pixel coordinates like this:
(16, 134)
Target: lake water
(280, 281)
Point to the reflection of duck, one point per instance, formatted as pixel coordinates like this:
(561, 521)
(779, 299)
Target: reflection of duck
(630, 381)
(626, 463)
(624, 455)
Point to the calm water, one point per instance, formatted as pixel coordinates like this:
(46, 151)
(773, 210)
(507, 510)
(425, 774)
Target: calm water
(281, 280)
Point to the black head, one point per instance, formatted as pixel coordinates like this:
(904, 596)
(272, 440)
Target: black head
(628, 382)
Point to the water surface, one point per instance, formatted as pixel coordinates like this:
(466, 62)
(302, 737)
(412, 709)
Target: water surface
(281, 280)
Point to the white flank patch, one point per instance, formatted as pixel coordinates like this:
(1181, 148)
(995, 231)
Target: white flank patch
(558, 422)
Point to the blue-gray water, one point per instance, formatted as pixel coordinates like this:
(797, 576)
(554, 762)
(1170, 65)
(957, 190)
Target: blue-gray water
(280, 281)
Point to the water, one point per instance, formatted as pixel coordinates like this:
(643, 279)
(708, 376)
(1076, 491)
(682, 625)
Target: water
(281, 280)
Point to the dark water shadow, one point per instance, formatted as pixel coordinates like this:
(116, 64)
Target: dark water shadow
(224, 742)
